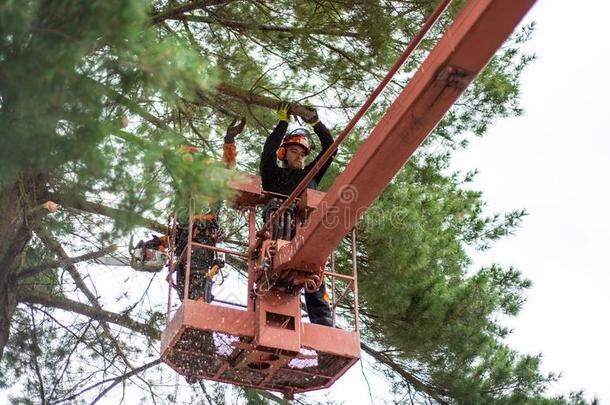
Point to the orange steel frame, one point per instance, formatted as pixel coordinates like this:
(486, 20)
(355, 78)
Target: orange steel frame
(263, 343)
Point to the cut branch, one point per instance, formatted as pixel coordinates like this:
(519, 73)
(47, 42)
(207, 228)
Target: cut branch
(262, 101)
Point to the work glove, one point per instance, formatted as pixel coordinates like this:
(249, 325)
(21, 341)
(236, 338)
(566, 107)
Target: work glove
(282, 111)
(312, 118)
(233, 130)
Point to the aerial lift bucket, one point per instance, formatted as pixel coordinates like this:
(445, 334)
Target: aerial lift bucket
(265, 345)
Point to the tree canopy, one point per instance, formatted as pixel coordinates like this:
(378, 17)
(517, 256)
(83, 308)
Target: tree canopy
(96, 100)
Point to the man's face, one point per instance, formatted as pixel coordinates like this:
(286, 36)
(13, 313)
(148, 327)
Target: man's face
(295, 157)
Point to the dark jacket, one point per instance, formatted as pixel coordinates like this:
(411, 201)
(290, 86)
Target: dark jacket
(284, 180)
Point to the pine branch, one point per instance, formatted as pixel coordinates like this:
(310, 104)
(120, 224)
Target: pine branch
(126, 376)
(33, 297)
(35, 270)
(204, 101)
(172, 13)
(55, 246)
(79, 340)
(242, 26)
(100, 209)
(205, 392)
(34, 356)
(115, 381)
(238, 264)
(249, 98)
(127, 102)
(341, 52)
(408, 377)
(136, 109)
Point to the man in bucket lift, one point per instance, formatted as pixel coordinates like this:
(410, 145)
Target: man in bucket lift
(206, 230)
(290, 151)
(150, 256)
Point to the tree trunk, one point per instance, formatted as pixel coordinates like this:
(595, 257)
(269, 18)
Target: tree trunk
(8, 304)
(21, 212)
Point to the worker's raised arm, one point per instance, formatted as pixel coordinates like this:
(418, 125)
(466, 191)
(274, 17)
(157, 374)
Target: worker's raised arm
(229, 149)
(268, 163)
(326, 140)
(324, 136)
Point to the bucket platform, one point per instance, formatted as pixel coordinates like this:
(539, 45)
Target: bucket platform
(222, 344)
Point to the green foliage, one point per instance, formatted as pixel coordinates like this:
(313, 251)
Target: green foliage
(72, 78)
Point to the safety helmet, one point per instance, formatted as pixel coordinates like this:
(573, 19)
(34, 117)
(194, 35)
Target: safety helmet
(190, 148)
(299, 136)
(188, 152)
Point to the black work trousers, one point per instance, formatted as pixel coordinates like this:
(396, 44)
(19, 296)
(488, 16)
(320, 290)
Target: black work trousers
(317, 305)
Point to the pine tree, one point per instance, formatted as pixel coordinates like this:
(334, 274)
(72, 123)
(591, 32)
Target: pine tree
(96, 100)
